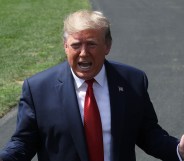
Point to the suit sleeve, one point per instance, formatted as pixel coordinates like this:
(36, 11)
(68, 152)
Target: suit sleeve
(152, 138)
(24, 143)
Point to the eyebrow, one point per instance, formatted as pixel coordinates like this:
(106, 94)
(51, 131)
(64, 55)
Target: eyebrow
(75, 43)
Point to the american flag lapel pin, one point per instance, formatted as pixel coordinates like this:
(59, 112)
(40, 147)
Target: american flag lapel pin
(120, 89)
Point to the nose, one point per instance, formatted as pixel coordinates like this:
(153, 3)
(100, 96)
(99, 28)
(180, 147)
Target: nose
(84, 51)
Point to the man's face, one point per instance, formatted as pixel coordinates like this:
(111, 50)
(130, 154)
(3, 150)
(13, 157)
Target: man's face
(86, 51)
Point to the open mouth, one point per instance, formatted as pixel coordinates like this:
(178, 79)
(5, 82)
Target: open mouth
(85, 65)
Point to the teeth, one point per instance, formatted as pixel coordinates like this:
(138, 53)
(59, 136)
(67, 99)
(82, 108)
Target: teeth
(84, 65)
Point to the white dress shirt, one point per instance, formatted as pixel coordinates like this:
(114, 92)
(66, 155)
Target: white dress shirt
(101, 93)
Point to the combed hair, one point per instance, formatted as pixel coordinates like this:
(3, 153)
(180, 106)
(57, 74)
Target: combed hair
(86, 19)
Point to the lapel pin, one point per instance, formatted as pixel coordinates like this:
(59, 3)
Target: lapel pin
(120, 89)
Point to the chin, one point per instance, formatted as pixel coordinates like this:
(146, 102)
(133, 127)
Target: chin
(84, 76)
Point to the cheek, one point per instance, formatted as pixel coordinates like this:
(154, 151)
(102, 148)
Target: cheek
(72, 58)
(100, 56)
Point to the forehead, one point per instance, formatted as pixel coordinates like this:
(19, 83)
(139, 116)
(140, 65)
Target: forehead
(87, 35)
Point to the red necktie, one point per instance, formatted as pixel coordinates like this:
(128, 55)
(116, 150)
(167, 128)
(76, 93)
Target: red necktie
(92, 125)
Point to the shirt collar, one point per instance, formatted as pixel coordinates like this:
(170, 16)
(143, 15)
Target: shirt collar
(100, 78)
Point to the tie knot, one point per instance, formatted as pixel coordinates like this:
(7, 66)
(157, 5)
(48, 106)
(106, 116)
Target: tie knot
(90, 81)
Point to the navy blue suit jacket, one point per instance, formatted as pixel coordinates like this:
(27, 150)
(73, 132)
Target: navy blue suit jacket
(49, 121)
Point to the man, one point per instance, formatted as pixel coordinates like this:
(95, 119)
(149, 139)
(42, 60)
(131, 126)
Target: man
(54, 119)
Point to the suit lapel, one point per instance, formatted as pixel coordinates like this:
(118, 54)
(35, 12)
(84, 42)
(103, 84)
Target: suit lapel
(117, 91)
(70, 103)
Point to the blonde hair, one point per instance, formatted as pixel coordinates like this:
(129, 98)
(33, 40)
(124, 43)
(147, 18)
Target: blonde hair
(86, 19)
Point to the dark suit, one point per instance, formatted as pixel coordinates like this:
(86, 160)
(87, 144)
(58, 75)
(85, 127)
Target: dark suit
(49, 120)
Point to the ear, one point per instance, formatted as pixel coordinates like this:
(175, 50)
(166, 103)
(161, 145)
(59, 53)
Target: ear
(65, 45)
(108, 47)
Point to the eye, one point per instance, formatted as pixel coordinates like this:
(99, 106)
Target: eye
(75, 46)
(92, 44)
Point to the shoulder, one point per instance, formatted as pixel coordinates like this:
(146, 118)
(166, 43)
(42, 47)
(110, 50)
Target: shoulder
(50, 74)
(130, 75)
(124, 69)
(51, 71)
